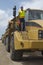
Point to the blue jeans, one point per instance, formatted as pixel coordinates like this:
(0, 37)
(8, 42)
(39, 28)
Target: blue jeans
(22, 24)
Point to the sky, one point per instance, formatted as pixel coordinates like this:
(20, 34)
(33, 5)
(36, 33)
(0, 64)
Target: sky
(6, 10)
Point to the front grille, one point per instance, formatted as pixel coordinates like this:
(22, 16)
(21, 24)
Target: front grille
(40, 34)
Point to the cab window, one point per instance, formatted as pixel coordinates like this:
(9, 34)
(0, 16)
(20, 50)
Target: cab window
(33, 15)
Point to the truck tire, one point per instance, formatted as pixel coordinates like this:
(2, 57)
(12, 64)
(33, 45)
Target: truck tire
(8, 43)
(42, 52)
(7, 47)
(4, 41)
(15, 54)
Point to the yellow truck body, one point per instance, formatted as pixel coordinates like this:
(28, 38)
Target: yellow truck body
(31, 39)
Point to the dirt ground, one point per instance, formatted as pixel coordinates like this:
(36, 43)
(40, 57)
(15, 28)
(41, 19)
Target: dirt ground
(26, 60)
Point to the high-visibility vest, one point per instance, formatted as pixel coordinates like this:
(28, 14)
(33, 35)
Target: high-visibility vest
(21, 14)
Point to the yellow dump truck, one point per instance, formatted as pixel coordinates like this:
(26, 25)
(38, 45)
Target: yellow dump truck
(29, 40)
(4, 39)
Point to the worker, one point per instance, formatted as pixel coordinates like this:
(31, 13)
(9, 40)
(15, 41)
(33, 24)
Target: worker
(21, 18)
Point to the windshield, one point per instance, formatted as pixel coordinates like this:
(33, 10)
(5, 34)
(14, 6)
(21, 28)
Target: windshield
(35, 15)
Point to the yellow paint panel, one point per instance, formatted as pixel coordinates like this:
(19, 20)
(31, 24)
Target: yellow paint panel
(27, 44)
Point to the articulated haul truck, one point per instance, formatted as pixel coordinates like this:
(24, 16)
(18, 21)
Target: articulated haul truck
(29, 40)
(4, 38)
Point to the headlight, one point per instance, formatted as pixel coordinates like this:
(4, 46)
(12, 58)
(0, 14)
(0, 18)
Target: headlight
(40, 34)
